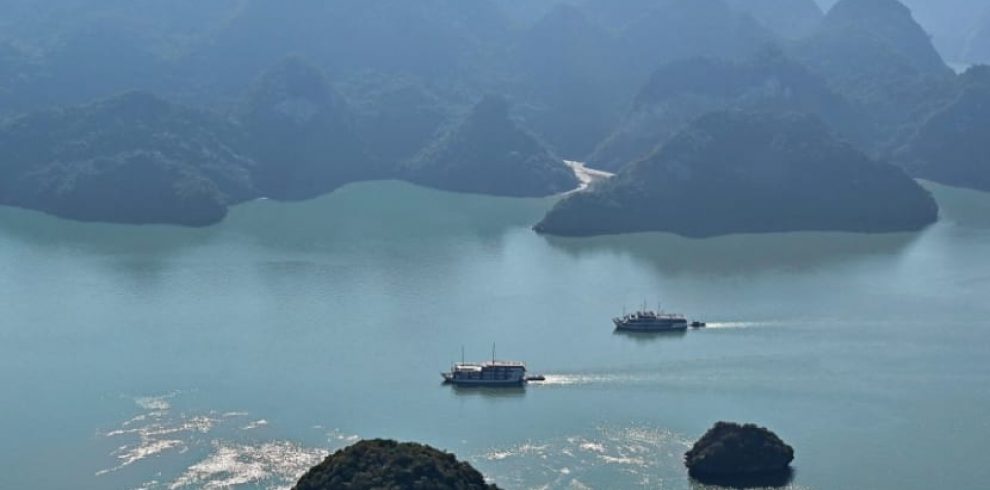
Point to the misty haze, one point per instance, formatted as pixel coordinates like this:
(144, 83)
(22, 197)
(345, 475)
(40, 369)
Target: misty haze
(494, 244)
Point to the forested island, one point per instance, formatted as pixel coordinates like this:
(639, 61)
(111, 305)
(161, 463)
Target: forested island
(121, 113)
(386, 464)
(740, 456)
(747, 172)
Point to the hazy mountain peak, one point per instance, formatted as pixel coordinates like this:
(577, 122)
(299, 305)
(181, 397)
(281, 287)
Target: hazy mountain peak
(891, 22)
(790, 19)
(862, 8)
(295, 90)
(490, 153)
(302, 133)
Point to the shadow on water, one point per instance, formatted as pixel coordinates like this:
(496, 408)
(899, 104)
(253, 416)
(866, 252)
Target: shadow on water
(382, 214)
(738, 253)
(649, 337)
(506, 392)
(365, 214)
(46, 231)
(769, 480)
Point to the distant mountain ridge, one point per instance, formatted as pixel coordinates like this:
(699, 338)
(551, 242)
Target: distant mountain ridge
(789, 19)
(682, 91)
(599, 81)
(874, 54)
(137, 158)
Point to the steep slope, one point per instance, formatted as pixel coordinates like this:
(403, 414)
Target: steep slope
(789, 19)
(489, 154)
(678, 29)
(681, 91)
(573, 81)
(395, 116)
(976, 46)
(736, 172)
(18, 73)
(381, 464)
(951, 23)
(876, 55)
(302, 134)
(952, 147)
(890, 22)
(129, 159)
(437, 39)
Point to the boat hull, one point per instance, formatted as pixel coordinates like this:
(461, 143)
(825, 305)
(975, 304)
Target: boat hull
(482, 383)
(652, 327)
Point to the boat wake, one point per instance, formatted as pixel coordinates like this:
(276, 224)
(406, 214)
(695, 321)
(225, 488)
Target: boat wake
(723, 325)
(728, 325)
(593, 379)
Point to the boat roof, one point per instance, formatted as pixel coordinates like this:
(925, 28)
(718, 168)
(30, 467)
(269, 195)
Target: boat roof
(652, 314)
(489, 364)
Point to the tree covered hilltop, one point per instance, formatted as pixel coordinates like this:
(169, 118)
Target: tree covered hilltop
(488, 153)
(139, 159)
(389, 465)
(746, 172)
(171, 112)
(133, 158)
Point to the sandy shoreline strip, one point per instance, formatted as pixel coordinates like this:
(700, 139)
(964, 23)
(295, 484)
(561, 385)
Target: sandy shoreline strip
(585, 175)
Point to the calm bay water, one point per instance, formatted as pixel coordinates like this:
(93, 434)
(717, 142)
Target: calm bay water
(160, 357)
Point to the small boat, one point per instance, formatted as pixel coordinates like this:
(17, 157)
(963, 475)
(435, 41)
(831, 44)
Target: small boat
(651, 321)
(697, 324)
(494, 373)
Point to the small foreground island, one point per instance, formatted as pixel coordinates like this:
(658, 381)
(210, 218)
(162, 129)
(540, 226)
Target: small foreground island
(748, 172)
(734, 454)
(386, 464)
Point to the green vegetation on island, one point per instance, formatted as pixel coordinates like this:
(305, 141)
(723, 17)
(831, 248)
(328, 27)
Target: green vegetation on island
(389, 465)
(876, 55)
(680, 92)
(302, 134)
(735, 455)
(266, 100)
(489, 153)
(134, 158)
(951, 147)
(740, 172)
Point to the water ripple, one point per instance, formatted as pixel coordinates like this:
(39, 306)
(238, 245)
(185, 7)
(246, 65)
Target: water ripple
(220, 443)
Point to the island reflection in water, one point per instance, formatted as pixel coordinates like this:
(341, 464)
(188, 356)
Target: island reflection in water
(341, 311)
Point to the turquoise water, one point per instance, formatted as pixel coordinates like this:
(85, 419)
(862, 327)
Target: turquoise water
(236, 356)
